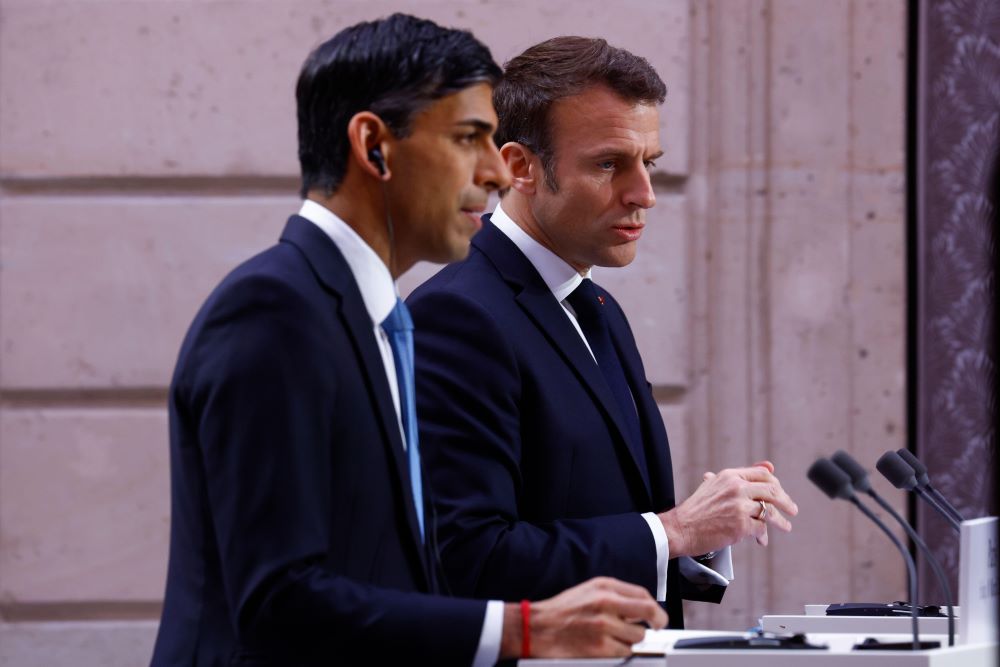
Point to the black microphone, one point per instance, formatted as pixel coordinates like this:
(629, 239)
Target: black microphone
(902, 476)
(924, 482)
(859, 480)
(835, 483)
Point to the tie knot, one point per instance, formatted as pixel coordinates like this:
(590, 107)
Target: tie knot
(398, 319)
(585, 300)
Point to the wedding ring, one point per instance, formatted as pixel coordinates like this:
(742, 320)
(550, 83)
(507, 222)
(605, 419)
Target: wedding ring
(763, 511)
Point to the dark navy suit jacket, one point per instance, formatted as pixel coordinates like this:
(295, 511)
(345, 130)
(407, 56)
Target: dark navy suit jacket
(293, 534)
(536, 484)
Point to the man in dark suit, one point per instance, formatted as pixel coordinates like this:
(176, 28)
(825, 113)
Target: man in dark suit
(544, 445)
(301, 532)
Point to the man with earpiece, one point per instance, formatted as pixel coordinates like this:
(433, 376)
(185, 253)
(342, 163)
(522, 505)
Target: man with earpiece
(302, 527)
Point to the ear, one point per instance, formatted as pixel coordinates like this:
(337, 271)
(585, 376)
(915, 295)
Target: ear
(525, 167)
(366, 132)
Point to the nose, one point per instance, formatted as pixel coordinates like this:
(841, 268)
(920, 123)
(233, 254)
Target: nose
(491, 170)
(639, 191)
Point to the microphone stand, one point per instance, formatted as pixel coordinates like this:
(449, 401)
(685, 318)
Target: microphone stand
(931, 560)
(911, 568)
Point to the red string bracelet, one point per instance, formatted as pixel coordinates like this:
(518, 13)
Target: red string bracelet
(525, 629)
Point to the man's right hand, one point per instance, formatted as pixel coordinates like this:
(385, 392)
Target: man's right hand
(726, 508)
(599, 618)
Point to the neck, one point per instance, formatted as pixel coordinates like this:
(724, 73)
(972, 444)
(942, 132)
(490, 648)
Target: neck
(367, 215)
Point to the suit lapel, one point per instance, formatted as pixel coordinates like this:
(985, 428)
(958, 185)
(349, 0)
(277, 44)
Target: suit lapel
(535, 298)
(333, 271)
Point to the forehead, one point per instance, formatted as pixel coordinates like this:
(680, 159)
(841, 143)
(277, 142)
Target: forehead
(472, 104)
(599, 115)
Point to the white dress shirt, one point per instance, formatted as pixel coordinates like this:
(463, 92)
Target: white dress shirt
(379, 293)
(562, 279)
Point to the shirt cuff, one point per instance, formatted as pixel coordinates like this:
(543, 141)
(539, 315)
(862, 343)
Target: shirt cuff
(489, 639)
(717, 571)
(662, 553)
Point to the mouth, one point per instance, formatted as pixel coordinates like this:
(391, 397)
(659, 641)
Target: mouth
(629, 232)
(474, 214)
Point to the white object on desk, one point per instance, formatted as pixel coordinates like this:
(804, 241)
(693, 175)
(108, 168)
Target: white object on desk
(977, 580)
(816, 620)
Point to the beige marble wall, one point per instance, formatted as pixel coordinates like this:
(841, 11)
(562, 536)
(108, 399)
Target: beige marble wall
(798, 276)
(147, 147)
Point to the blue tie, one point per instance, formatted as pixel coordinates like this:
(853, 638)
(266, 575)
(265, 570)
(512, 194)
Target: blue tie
(399, 328)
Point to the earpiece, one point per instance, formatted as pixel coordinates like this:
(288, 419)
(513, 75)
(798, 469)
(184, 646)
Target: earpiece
(375, 156)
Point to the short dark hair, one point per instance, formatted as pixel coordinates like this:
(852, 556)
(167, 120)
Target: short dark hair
(561, 67)
(393, 67)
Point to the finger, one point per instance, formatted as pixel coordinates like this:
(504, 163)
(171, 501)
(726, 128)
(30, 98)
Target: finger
(764, 464)
(622, 631)
(707, 476)
(776, 519)
(756, 474)
(772, 516)
(754, 511)
(758, 529)
(774, 495)
(647, 610)
(622, 588)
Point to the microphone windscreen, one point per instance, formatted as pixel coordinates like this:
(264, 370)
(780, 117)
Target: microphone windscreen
(831, 480)
(919, 469)
(897, 471)
(854, 470)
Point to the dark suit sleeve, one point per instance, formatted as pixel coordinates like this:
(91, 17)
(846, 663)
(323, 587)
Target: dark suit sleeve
(469, 403)
(257, 389)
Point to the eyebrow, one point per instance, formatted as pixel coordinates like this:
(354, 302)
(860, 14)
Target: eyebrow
(608, 151)
(479, 124)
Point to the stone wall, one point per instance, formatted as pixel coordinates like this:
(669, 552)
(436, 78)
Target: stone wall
(148, 146)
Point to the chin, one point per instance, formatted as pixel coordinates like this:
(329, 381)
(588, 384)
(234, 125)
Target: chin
(616, 260)
(453, 253)
(626, 254)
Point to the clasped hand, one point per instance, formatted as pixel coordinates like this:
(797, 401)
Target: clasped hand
(726, 508)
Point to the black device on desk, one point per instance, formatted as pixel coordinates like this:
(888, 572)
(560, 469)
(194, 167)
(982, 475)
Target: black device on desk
(872, 644)
(882, 609)
(762, 640)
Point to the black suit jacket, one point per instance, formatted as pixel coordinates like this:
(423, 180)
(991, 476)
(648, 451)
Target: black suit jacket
(293, 533)
(536, 484)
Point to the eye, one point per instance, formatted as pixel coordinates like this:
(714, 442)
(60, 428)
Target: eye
(606, 165)
(468, 138)
(650, 164)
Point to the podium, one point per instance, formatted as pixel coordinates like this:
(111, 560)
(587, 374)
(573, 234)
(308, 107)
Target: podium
(975, 619)
(838, 654)
(975, 643)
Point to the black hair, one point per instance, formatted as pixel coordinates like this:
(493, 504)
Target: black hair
(393, 67)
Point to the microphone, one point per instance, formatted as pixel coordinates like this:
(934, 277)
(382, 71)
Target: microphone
(924, 481)
(835, 483)
(902, 476)
(860, 481)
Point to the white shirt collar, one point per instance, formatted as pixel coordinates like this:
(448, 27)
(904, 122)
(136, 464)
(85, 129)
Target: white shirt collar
(378, 290)
(560, 277)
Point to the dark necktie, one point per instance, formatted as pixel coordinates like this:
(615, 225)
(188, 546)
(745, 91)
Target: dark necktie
(589, 307)
(398, 326)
